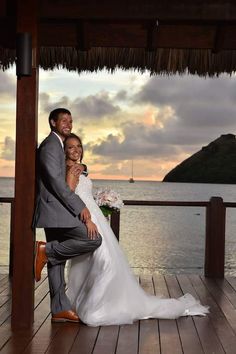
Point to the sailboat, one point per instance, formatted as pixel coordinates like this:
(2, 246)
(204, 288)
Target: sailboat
(131, 180)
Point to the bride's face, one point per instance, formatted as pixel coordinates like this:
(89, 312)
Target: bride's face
(73, 149)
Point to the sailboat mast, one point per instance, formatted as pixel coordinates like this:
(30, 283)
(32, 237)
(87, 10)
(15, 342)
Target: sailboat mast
(131, 180)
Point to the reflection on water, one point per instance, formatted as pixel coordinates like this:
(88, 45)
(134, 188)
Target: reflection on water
(169, 239)
(156, 239)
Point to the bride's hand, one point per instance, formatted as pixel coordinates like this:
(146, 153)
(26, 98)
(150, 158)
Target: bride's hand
(92, 230)
(85, 215)
(72, 176)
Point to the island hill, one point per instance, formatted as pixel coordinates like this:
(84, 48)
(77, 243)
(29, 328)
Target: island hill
(214, 163)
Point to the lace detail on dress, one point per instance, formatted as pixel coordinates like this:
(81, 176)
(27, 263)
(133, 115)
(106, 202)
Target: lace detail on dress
(85, 191)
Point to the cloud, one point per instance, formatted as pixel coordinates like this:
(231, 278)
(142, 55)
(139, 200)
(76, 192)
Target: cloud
(121, 95)
(8, 149)
(7, 85)
(95, 106)
(46, 104)
(196, 101)
(138, 141)
(90, 107)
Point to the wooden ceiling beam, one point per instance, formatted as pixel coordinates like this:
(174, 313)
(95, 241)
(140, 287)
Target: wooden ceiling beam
(137, 34)
(219, 39)
(151, 34)
(130, 9)
(83, 35)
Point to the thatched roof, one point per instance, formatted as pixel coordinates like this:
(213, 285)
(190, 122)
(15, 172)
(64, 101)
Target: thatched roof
(198, 37)
(161, 61)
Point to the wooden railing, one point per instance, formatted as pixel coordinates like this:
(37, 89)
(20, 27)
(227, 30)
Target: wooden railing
(215, 229)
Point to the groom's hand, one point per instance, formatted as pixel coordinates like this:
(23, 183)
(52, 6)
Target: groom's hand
(85, 215)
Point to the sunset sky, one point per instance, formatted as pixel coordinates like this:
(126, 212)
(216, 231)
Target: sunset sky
(155, 121)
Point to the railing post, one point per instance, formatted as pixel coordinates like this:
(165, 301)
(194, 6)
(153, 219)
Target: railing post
(115, 223)
(215, 238)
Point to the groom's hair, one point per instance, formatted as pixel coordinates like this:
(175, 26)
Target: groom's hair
(54, 115)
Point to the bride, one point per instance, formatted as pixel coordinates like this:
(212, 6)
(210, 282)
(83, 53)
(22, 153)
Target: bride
(101, 286)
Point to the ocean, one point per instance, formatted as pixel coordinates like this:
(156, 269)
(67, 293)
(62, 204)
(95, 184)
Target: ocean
(161, 240)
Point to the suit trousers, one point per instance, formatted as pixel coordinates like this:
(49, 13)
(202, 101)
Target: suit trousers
(63, 244)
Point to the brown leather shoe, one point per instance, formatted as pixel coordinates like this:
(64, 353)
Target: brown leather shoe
(40, 259)
(65, 316)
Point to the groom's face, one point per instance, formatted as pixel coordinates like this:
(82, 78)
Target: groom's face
(63, 125)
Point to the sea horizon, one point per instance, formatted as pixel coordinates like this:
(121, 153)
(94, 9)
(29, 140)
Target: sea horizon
(145, 180)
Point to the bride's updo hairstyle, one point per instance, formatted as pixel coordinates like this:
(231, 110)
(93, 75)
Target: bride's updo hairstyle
(74, 136)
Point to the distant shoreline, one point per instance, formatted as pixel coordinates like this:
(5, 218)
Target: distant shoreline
(103, 179)
(5, 177)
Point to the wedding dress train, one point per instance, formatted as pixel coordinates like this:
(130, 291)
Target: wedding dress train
(102, 287)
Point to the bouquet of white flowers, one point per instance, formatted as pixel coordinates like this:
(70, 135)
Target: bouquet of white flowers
(108, 200)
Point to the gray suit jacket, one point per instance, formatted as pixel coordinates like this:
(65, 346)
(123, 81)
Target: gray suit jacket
(56, 204)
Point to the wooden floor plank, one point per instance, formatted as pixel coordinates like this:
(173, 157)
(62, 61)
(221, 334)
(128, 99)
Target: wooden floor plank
(207, 326)
(160, 286)
(149, 341)
(186, 286)
(189, 336)
(148, 329)
(40, 292)
(169, 337)
(232, 281)
(168, 331)
(4, 284)
(21, 339)
(221, 326)
(187, 331)
(41, 312)
(205, 297)
(222, 300)
(4, 299)
(5, 335)
(42, 339)
(226, 330)
(7, 289)
(85, 340)
(107, 340)
(128, 339)
(173, 286)
(208, 337)
(5, 311)
(146, 283)
(227, 289)
(64, 338)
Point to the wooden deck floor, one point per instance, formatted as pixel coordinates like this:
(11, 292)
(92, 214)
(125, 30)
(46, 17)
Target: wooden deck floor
(215, 333)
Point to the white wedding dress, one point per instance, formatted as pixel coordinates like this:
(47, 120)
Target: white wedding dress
(102, 287)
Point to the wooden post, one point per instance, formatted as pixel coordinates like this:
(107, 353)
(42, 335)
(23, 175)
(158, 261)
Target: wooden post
(115, 223)
(26, 141)
(215, 238)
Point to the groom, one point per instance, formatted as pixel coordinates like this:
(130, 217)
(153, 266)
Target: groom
(61, 213)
